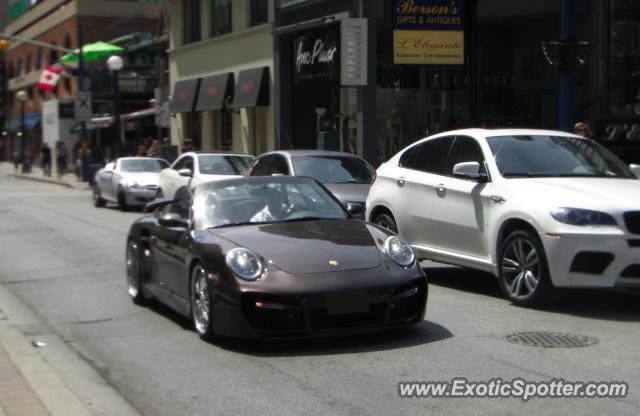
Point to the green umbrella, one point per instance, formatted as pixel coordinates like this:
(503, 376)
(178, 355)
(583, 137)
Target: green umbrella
(92, 52)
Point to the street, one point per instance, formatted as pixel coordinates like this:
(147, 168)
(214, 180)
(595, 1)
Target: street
(65, 259)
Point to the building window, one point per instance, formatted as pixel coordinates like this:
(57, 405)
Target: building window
(191, 23)
(624, 64)
(259, 12)
(221, 19)
(53, 55)
(29, 65)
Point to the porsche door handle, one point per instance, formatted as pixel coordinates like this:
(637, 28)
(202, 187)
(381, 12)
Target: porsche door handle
(440, 189)
(497, 199)
(400, 181)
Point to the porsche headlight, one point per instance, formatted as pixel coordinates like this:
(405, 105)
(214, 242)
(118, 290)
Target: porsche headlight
(245, 263)
(399, 250)
(130, 183)
(577, 216)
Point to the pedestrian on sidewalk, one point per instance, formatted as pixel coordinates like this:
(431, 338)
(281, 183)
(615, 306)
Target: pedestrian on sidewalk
(61, 158)
(16, 161)
(46, 159)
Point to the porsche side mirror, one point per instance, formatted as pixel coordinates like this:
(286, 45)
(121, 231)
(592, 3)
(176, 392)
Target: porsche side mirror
(355, 208)
(186, 173)
(635, 169)
(172, 220)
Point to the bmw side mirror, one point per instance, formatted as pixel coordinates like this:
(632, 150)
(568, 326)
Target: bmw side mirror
(469, 170)
(172, 220)
(185, 172)
(355, 209)
(635, 169)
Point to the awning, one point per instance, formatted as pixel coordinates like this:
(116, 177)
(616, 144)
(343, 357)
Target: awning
(213, 91)
(184, 95)
(252, 88)
(31, 122)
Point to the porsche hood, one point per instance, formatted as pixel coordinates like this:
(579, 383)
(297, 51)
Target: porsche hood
(303, 247)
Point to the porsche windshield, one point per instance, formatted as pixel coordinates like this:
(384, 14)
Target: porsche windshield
(554, 156)
(262, 202)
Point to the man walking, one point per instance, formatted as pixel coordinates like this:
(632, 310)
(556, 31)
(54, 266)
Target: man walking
(46, 159)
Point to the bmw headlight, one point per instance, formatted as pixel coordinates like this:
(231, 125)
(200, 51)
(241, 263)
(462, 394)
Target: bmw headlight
(399, 250)
(577, 216)
(245, 263)
(130, 183)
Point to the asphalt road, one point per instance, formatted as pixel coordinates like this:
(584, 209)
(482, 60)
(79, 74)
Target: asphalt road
(65, 259)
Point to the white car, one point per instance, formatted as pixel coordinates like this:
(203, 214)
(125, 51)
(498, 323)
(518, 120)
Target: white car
(128, 181)
(539, 209)
(194, 168)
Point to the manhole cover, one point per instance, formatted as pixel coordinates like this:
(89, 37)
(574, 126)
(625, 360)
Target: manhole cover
(551, 339)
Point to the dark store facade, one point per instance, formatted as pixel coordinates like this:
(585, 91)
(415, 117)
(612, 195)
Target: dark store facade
(424, 66)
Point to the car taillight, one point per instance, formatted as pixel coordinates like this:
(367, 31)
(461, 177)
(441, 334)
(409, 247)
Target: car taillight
(373, 177)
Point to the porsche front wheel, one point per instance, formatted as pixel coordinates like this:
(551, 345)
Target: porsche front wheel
(134, 273)
(201, 310)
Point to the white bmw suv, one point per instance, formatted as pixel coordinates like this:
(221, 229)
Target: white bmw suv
(539, 209)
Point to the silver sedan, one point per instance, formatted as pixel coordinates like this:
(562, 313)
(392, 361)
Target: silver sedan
(128, 181)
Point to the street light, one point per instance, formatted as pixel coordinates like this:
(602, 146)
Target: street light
(115, 64)
(22, 96)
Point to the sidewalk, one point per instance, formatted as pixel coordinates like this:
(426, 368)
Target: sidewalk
(68, 180)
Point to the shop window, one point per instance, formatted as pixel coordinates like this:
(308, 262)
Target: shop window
(221, 19)
(192, 125)
(259, 12)
(224, 131)
(624, 59)
(191, 22)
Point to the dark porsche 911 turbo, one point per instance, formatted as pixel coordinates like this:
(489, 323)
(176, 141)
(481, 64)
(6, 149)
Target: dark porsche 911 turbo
(272, 257)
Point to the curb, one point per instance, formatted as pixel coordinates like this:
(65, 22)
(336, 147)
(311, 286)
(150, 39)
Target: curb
(45, 180)
(42, 374)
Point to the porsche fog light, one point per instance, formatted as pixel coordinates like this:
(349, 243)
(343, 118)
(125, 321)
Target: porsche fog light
(244, 263)
(399, 251)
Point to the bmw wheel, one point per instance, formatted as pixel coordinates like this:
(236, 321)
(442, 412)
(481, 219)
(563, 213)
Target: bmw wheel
(386, 221)
(98, 202)
(134, 273)
(523, 271)
(201, 310)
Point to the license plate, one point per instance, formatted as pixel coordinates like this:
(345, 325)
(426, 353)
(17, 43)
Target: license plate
(353, 301)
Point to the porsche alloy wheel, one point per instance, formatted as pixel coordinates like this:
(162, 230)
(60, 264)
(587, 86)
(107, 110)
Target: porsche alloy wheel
(134, 273)
(524, 277)
(201, 303)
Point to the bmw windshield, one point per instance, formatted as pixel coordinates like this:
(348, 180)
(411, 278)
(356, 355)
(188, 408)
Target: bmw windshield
(554, 156)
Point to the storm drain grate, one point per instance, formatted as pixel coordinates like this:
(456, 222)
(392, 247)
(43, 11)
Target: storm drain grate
(551, 339)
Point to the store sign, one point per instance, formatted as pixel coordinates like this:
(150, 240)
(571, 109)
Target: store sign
(316, 57)
(428, 32)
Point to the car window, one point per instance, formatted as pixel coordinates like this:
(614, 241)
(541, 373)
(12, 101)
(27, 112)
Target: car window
(184, 163)
(279, 166)
(181, 203)
(407, 159)
(464, 149)
(223, 164)
(262, 166)
(432, 155)
(333, 169)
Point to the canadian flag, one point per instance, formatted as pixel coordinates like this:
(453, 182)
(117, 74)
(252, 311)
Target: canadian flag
(49, 78)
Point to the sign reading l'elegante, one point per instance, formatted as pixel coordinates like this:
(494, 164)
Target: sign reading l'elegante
(428, 32)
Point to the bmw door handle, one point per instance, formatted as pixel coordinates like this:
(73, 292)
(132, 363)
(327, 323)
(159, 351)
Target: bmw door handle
(400, 181)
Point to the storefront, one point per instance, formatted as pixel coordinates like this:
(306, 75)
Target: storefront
(439, 65)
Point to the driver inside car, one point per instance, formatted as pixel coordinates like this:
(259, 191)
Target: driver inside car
(274, 208)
